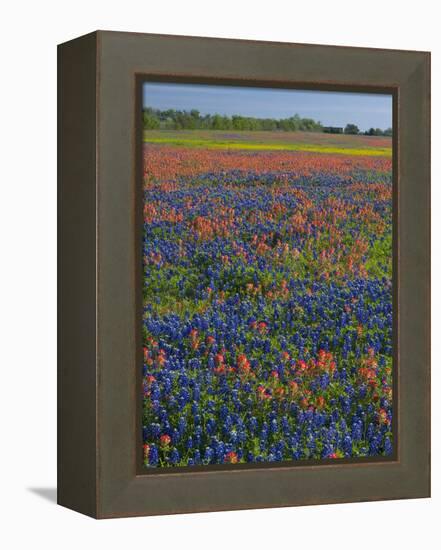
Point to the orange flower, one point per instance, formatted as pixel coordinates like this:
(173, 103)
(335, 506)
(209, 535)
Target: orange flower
(294, 387)
(382, 417)
(231, 458)
(165, 440)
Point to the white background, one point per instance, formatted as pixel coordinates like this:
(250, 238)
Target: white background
(29, 34)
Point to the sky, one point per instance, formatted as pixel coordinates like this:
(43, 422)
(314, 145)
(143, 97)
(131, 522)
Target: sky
(330, 108)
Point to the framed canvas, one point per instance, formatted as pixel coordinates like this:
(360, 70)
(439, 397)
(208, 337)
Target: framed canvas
(244, 274)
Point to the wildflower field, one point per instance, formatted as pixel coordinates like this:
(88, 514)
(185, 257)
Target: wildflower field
(267, 290)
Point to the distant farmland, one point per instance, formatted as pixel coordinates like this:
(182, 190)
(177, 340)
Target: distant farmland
(314, 142)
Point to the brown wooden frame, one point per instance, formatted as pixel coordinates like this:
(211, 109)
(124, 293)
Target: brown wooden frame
(99, 360)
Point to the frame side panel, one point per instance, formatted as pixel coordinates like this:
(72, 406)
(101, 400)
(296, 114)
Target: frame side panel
(77, 275)
(414, 274)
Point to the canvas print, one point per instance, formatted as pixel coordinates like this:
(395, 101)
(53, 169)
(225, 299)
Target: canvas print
(267, 275)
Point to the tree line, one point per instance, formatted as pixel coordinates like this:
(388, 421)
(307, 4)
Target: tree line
(354, 130)
(172, 119)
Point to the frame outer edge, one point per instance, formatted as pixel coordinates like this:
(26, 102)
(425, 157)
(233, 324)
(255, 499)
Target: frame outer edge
(120, 492)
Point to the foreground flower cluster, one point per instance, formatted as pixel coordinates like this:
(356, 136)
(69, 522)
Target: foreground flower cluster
(267, 306)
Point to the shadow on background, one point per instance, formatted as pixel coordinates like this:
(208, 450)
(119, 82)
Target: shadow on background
(48, 493)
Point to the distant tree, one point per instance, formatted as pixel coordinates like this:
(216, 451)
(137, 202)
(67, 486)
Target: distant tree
(151, 122)
(239, 122)
(269, 124)
(308, 125)
(351, 129)
(374, 132)
(172, 119)
(219, 122)
(387, 132)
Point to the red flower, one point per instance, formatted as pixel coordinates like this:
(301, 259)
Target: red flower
(302, 365)
(382, 417)
(242, 359)
(320, 402)
(161, 358)
(164, 440)
(194, 339)
(262, 392)
(231, 457)
(294, 386)
(304, 403)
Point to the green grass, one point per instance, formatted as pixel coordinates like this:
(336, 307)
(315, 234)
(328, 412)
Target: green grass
(379, 261)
